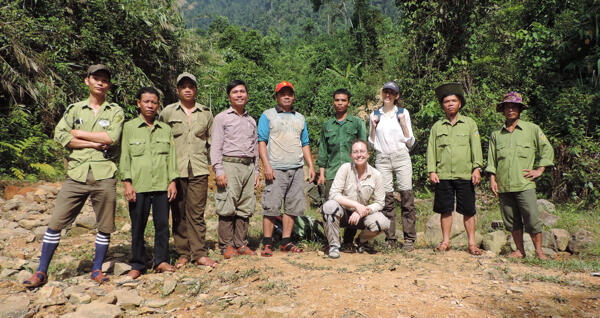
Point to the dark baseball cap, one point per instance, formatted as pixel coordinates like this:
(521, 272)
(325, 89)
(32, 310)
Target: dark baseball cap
(97, 68)
(391, 85)
(186, 75)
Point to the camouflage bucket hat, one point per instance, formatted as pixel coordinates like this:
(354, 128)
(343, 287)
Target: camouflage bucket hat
(511, 97)
(451, 89)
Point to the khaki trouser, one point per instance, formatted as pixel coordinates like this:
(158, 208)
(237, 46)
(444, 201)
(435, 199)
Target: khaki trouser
(72, 197)
(235, 204)
(334, 216)
(189, 228)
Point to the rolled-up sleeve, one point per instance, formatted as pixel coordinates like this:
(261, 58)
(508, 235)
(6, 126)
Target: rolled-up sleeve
(323, 155)
(62, 132)
(410, 140)
(337, 187)
(431, 153)
(545, 150)
(378, 195)
(172, 161)
(477, 153)
(125, 161)
(492, 164)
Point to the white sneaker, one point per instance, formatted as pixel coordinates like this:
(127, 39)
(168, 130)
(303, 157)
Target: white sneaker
(334, 252)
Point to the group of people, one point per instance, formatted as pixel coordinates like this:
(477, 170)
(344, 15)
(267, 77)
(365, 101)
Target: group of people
(164, 163)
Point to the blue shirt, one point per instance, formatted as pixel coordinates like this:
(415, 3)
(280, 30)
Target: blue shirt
(285, 134)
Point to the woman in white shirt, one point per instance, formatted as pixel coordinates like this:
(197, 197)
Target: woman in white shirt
(391, 135)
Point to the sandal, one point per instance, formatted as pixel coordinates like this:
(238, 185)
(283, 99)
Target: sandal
(443, 247)
(99, 277)
(267, 251)
(474, 250)
(245, 250)
(181, 262)
(229, 252)
(205, 261)
(290, 247)
(38, 279)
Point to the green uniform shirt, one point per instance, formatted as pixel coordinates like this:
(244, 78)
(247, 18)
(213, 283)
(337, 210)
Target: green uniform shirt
(453, 152)
(510, 153)
(192, 138)
(80, 116)
(335, 142)
(148, 156)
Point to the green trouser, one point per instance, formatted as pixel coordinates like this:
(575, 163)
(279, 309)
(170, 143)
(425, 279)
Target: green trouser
(235, 204)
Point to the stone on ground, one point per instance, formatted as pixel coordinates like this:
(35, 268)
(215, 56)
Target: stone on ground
(433, 230)
(494, 241)
(561, 237)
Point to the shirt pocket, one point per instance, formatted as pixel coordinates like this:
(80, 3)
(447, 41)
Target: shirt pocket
(177, 127)
(351, 131)
(442, 142)
(525, 152)
(161, 146)
(201, 128)
(136, 147)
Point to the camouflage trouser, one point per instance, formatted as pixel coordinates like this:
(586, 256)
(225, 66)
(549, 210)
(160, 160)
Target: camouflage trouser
(336, 216)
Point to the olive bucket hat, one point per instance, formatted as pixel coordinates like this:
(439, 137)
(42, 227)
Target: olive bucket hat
(451, 89)
(511, 97)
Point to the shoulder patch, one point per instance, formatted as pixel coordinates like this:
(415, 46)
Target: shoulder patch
(476, 133)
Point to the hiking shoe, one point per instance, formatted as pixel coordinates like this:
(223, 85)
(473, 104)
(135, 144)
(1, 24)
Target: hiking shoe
(365, 247)
(229, 252)
(348, 248)
(245, 250)
(37, 280)
(334, 252)
(391, 244)
(267, 251)
(408, 246)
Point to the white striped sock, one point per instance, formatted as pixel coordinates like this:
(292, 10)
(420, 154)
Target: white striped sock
(102, 239)
(51, 238)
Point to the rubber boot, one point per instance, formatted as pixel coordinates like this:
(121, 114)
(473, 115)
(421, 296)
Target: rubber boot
(409, 217)
(389, 210)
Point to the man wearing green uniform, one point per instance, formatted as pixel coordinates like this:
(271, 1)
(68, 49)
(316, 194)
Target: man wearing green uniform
(148, 168)
(454, 161)
(89, 130)
(190, 124)
(513, 151)
(337, 135)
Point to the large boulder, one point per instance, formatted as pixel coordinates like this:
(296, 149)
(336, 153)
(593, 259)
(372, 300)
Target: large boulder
(548, 241)
(527, 244)
(561, 237)
(545, 205)
(15, 305)
(87, 221)
(433, 230)
(580, 241)
(96, 310)
(461, 240)
(494, 241)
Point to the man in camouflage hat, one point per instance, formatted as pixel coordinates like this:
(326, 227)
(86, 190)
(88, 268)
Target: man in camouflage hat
(514, 150)
(88, 130)
(454, 162)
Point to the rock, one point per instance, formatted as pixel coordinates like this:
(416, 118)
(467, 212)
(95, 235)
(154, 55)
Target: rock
(548, 241)
(50, 189)
(279, 310)
(50, 296)
(497, 225)
(125, 228)
(14, 305)
(108, 299)
(87, 221)
(6, 273)
(12, 204)
(561, 237)
(33, 208)
(126, 298)
(494, 241)
(545, 205)
(461, 240)
(80, 298)
(527, 243)
(121, 268)
(77, 231)
(548, 219)
(548, 251)
(40, 195)
(107, 267)
(23, 276)
(168, 286)
(580, 241)
(156, 303)
(433, 230)
(29, 224)
(96, 310)
(13, 263)
(517, 289)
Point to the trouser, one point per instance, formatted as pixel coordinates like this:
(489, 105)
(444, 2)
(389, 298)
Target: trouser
(349, 232)
(336, 216)
(189, 227)
(139, 211)
(233, 231)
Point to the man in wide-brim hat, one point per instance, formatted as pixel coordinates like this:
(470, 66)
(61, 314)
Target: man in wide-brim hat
(512, 153)
(454, 161)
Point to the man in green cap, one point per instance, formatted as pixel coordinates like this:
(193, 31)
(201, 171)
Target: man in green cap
(454, 162)
(337, 135)
(513, 151)
(190, 124)
(89, 130)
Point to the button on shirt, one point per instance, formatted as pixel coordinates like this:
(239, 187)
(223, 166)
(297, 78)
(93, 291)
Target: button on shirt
(148, 155)
(389, 137)
(347, 185)
(80, 116)
(336, 140)
(510, 153)
(192, 138)
(453, 152)
(233, 135)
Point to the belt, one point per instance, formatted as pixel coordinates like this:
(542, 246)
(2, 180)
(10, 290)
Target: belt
(242, 160)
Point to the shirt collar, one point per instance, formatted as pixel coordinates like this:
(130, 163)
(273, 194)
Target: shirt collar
(232, 110)
(459, 118)
(105, 104)
(280, 110)
(517, 126)
(369, 170)
(197, 107)
(156, 124)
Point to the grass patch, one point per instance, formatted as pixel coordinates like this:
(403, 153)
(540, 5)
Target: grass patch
(232, 277)
(307, 266)
(274, 288)
(570, 265)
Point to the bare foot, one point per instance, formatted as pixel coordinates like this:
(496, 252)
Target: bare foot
(541, 255)
(443, 247)
(516, 254)
(206, 262)
(474, 250)
(181, 262)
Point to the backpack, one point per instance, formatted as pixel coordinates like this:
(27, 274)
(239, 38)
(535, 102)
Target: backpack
(306, 228)
(377, 113)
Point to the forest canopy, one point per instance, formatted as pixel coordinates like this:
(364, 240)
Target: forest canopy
(546, 49)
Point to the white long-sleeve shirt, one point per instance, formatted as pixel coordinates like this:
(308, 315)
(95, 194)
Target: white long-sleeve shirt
(389, 137)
